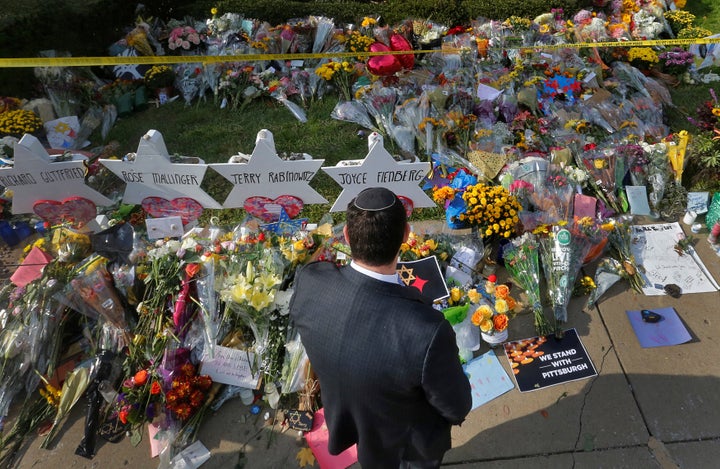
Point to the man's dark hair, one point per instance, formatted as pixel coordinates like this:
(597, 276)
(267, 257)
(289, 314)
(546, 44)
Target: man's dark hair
(376, 221)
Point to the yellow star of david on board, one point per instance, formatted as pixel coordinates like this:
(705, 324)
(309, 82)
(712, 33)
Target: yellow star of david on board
(406, 275)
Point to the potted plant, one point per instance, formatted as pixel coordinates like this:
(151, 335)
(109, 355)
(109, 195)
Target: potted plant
(160, 78)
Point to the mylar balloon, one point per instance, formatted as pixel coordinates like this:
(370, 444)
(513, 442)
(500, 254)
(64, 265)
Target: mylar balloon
(398, 43)
(382, 65)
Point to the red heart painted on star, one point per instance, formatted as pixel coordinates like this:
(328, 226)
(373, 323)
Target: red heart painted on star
(268, 209)
(186, 208)
(76, 211)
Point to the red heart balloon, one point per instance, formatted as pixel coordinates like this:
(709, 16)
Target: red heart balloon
(74, 210)
(184, 207)
(398, 42)
(268, 210)
(382, 65)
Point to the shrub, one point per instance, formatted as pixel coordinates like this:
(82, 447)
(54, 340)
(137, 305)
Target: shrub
(495, 10)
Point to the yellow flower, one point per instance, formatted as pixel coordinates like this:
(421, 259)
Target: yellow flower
(473, 295)
(501, 306)
(485, 311)
(599, 163)
(213, 11)
(455, 294)
(241, 291)
(267, 281)
(486, 325)
(260, 299)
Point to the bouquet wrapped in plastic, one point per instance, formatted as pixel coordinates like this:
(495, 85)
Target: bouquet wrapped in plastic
(563, 249)
(522, 262)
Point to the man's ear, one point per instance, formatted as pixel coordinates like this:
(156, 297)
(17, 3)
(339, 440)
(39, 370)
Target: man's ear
(345, 234)
(407, 232)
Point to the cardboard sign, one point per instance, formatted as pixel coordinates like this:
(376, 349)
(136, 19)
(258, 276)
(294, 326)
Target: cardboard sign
(231, 366)
(168, 227)
(268, 175)
(36, 176)
(540, 362)
(424, 275)
(31, 268)
(379, 169)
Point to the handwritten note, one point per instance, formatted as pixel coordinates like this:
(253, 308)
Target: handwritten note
(654, 248)
(231, 366)
(670, 330)
(487, 379)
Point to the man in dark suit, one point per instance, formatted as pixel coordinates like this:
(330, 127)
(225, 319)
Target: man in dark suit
(387, 362)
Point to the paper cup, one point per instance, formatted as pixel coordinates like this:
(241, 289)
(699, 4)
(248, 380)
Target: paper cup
(689, 217)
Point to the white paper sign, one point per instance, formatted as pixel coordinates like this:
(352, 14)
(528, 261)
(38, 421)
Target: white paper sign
(191, 457)
(654, 248)
(637, 196)
(166, 227)
(698, 202)
(231, 366)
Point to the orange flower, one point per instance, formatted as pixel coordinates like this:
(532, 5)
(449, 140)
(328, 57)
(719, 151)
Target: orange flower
(123, 416)
(192, 269)
(155, 388)
(502, 291)
(140, 378)
(500, 322)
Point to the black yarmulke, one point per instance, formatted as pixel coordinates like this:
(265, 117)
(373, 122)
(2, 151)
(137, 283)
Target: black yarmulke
(374, 199)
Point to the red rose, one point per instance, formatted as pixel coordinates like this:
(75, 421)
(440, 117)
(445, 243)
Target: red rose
(155, 389)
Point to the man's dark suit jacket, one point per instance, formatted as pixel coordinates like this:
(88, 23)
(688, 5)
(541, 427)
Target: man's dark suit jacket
(388, 366)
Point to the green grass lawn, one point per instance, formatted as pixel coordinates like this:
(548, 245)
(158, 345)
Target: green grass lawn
(204, 130)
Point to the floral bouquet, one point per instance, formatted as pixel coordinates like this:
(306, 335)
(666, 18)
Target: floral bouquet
(141, 398)
(93, 294)
(676, 61)
(456, 309)
(341, 74)
(183, 38)
(492, 323)
(491, 209)
(602, 168)
(620, 239)
(249, 297)
(563, 249)
(421, 246)
(522, 263)
(553, 199)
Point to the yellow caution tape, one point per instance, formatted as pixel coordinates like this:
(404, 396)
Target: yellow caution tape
(209, 59)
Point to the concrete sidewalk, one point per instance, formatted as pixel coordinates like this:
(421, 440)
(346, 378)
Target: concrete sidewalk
(646, 408)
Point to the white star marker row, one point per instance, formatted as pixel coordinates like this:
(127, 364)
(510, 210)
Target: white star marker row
(152, 174)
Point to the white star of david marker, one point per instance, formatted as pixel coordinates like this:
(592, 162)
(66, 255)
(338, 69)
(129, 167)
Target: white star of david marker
(268, 175)
(152, 174)
(379, 169)
(36, 177)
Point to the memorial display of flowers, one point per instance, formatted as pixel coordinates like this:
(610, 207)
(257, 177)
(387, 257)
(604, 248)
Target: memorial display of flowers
(514, 135)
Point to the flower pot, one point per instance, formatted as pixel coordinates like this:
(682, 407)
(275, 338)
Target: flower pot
(496, 339)
(124, 104)
(140, 102)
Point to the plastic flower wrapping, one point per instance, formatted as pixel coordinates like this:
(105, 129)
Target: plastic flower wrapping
(563, 249)
(554, 125)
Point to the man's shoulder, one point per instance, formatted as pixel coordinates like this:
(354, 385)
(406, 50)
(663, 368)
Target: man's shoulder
(318, 269)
